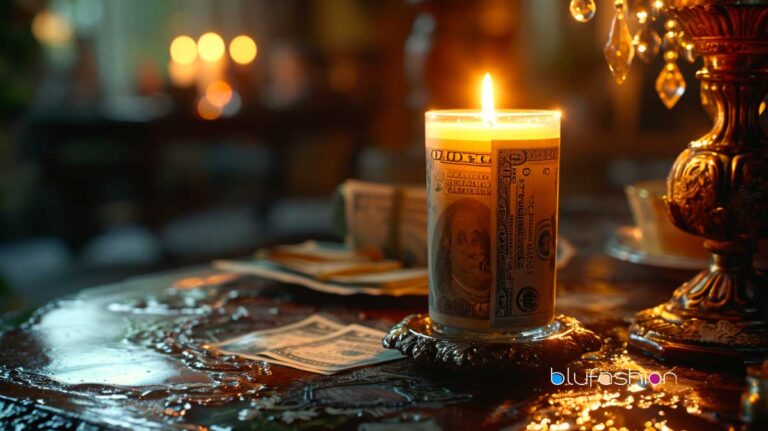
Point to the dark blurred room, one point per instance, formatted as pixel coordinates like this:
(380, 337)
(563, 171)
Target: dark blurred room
(140, 136)
(374, 215)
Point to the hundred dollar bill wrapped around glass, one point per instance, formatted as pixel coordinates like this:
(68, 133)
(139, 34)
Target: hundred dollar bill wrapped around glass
(492, 193)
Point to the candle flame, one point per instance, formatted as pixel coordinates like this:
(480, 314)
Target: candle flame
(489, 114)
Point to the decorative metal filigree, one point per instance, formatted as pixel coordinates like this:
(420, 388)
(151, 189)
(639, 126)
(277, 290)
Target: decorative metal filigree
(414, 336)
(666, 333)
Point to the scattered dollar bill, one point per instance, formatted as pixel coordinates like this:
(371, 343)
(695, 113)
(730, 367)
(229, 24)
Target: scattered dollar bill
(253, 343)
(323, 260)
(332, 268)
(392, 283)
(328, 270)
(395, 279)
(350, 347)
(313, 251)
(315, 344)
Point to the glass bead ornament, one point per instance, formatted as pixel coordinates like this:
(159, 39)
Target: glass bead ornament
(656, 7)
(647, 42)
(619, 51)
(670, 84)
(671, 36)
(583, 10)
(671, 25)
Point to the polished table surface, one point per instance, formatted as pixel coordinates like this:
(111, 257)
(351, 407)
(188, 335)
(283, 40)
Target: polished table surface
(131, 355)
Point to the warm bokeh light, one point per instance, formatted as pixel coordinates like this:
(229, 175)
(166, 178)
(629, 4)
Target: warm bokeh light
(182, 75)
(206, 110)
(51, 28)
(242, 49)
(489, 113)
(218, 93)
(642, 16)
(211, 47)
(183, 50)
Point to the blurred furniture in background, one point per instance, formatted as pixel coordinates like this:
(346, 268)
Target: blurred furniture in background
(139, 135)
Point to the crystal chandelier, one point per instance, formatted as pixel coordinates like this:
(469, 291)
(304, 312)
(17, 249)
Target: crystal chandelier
(646, 43)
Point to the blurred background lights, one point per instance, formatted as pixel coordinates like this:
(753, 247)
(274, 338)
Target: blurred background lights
(242, 49)
(51, 28)
(218, 93)
(183, 50)
(211, 47)
(208, 111)
(182, 75)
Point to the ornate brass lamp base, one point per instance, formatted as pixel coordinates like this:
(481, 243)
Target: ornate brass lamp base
(415, 336)
(717, 190)
(702, 338)
(718, 317)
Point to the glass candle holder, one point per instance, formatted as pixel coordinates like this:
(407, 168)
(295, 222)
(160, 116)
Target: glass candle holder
(492, 199)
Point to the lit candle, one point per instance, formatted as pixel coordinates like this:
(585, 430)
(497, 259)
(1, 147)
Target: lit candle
(492, 184)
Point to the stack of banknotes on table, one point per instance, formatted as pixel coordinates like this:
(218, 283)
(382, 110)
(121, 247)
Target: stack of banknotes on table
(386, 219)
(332, 268)
(314, 344)
(384, 253)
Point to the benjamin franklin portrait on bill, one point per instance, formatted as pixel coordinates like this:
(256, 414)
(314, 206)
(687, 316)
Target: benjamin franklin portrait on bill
(462, 263)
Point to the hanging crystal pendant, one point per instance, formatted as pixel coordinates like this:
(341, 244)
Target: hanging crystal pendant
(619, 50)
(670, 84)
(583, 10)
(647, 43)
(621, 47)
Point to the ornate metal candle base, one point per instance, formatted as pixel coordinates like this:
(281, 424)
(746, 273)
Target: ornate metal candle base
(718, 190)
(416, 337)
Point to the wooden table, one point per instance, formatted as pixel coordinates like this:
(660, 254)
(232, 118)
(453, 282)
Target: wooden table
(129, 355)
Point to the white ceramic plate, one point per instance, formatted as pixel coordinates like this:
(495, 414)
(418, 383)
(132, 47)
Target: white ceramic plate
(625, 243)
